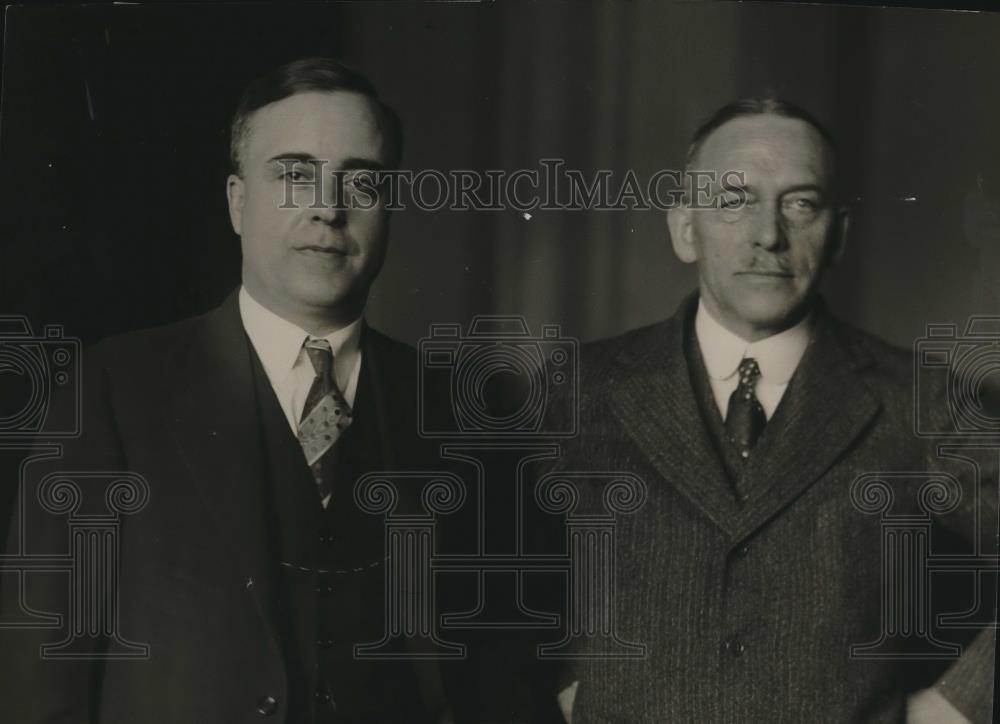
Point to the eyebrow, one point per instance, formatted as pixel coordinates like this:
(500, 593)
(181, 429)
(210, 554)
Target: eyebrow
(790, 190)
(805, 187)
(351, 163)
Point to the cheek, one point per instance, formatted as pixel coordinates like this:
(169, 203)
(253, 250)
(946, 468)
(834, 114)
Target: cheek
(719, 257)
(268, 208)
(808, 250)
(370, 229)
(720, 237)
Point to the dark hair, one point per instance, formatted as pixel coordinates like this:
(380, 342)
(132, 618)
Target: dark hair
(303, 76)
(768, 105)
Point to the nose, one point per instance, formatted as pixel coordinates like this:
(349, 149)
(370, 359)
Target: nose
(332, 209)
(770, 231)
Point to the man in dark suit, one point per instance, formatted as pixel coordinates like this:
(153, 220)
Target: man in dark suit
(250, 573)
(753, 567)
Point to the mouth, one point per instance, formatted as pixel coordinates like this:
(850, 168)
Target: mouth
(766, 273)
(322, 251)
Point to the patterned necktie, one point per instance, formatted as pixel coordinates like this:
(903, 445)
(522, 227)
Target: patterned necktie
(745, 417)
(325, 414)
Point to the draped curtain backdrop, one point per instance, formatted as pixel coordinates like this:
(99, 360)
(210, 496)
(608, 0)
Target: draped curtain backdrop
(114, 133)
(621, 86)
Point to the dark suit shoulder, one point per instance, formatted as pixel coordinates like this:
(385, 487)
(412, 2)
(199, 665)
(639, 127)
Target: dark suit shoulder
(881, 352)
(880, 361)
(145, 345)
(395, 361)
(389, 347)
(889, 373)
(607, 359)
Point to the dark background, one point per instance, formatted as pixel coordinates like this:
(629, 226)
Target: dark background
(114, 130)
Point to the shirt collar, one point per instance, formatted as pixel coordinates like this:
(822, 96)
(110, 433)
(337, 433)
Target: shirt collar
(777, 355)
(278, 341)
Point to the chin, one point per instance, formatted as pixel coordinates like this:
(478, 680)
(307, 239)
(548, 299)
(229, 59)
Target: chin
(319, 295)
(770, 313)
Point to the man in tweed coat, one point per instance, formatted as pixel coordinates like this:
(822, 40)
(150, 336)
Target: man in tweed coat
(751, 570)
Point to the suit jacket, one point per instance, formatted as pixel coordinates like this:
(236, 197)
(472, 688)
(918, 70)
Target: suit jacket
(197, 580)
(748, 610)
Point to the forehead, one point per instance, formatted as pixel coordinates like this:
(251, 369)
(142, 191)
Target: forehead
(769, 150)
(330, 126)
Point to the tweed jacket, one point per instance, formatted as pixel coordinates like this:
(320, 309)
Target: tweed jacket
(748, 609)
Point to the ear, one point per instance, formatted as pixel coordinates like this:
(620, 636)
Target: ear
(681, 234)
(234, 194)
(838, 242)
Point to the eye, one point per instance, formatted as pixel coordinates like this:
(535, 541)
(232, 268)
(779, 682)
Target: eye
(802, 207)
(362, 177)
(297, 173)
(733, 199)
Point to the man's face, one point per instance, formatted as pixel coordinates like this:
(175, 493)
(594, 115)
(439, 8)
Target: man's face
(312, 261)
(759, 262)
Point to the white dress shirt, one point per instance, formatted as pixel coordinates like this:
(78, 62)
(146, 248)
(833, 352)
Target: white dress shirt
(278, 344)
(777, 356)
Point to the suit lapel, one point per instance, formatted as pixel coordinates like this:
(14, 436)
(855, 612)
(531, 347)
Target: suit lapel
(826, 406)
(371, 397)
(654, 401)
(215, 423)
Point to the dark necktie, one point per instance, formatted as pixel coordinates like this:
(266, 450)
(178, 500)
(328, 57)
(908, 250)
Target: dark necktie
(325, 414)
(745, 417)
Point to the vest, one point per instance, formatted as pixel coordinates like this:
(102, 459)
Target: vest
(715, 426)
(330, 573)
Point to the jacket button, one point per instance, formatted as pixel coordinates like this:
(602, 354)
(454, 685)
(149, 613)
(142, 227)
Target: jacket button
(734, 646)
(742, 551)
(267, 706)
(324, 697)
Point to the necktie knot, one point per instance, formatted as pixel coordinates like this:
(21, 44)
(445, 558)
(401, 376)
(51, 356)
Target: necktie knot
(320, 355)
(749, 372)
